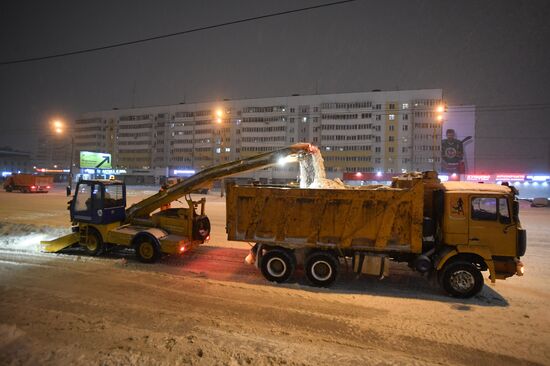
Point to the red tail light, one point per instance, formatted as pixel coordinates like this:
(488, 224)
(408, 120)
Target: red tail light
(33, 187)
(182, 249)
(47, 187)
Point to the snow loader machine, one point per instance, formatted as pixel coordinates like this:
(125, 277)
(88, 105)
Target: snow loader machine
(100, 218)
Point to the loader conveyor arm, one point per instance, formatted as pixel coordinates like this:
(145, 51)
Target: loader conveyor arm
(144, 208)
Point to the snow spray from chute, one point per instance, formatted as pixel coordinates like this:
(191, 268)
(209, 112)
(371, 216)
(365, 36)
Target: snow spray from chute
(313, 175)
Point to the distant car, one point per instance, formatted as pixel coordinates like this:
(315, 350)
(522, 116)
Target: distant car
(539, 202)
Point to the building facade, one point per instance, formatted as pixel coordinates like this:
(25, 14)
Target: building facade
(52, 152)
(379, 131)
(12, 161)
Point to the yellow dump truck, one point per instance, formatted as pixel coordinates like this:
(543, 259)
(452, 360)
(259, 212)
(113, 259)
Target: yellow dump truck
(454, 230)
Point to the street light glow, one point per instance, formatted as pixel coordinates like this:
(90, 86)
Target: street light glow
(440, 108)
(219, 114)
(58, 126)
(439, 118)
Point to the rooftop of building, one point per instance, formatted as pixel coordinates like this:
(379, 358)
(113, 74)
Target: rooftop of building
(347, 96)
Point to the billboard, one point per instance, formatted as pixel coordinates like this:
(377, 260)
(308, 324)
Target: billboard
(95, 160)
(458, 140)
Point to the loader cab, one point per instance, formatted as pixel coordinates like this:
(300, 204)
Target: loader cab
(99, 202)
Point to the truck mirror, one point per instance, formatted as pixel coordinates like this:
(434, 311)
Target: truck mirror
(68, 191)
(515, 209)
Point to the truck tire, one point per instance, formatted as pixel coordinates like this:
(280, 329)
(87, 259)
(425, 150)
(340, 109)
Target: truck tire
(9, 188)
(94, 243)
(277, 265)
(461, 279)
(321, 268)
(146, 250)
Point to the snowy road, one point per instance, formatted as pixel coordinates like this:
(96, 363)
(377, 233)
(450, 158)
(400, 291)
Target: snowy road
(209, 308)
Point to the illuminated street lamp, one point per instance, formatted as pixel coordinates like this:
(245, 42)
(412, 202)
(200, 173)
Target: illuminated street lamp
(440, 109)
(219, 115)
(59, 128)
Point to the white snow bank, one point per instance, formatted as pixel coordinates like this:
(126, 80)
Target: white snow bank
(26, 237)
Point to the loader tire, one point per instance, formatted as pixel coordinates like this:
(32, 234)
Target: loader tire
(321, 268)
(94, 243)
(277, 265)
(461, 279)
(146, 250)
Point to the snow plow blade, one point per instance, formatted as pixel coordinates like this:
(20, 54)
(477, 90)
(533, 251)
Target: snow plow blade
(52, 246)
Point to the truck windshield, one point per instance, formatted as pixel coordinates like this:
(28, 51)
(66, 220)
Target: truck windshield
(83, 201)
(113, 196)
(491, 208)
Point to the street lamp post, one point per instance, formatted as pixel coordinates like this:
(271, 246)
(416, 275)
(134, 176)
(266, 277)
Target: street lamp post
(438, 121)
(70, 186)
(219, 120)
(59, 129)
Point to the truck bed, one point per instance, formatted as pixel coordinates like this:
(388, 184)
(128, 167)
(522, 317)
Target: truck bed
(377, 219)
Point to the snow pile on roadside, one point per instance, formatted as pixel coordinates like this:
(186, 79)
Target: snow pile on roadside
(27, 237)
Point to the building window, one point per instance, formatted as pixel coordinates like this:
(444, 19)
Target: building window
(405, 117)
(391, 138)
(378, 117)
(390, 149)
(391, 117)
(391, 127)
(405, 106)
(392, 106)
(405, 127)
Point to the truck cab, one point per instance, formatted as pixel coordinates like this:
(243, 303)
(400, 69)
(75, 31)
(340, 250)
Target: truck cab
(98, 202)
(481, 221)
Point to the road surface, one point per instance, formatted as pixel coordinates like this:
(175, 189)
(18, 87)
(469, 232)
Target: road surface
(209, 308)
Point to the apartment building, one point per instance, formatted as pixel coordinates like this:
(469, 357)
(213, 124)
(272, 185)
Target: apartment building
(378, 131)
(52, 152)
(13, 161)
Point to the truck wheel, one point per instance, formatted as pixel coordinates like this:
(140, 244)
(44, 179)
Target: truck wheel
(94, 243)
(277, 265)
(321, 269)
(147, 251)
(9, 189)
(462, 279)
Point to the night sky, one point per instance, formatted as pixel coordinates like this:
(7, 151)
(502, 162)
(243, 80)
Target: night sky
(485, 53)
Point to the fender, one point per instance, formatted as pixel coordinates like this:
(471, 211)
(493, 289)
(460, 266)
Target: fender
(153, 233)
(481, 251)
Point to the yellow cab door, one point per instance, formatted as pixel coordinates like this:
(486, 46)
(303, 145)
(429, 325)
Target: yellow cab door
(491, 224)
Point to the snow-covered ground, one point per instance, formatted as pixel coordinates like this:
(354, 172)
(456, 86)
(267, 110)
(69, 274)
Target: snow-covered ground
(210, 308)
